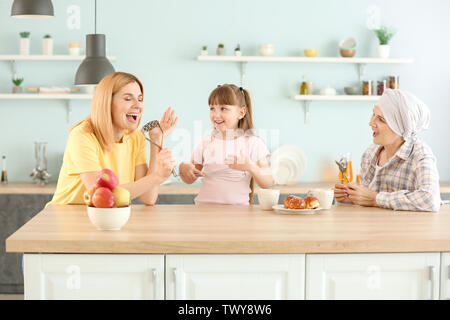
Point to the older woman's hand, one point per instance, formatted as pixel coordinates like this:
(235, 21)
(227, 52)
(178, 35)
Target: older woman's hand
(341, 194)
(361, 195)
(165, 162)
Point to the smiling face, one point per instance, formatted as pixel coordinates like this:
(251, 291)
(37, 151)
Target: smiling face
(225, 117)
(127, 107)
(382, 134)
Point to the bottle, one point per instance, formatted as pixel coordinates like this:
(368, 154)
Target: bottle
(4, 175)
(304, 86)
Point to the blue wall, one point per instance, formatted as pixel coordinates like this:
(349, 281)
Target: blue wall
(159, 40)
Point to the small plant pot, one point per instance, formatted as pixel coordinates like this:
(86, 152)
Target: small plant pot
(24, 46)
(237, 53)
(221, 51)
(204, 52)
(47, 46)
(383, 51)
(17, 89)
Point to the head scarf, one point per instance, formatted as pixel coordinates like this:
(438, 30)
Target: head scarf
(405, 114)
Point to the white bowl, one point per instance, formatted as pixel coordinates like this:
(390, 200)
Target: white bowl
(109, 218)
(266, 50)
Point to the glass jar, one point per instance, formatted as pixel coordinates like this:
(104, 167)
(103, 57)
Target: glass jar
(381, 85)
(394, 82)
(367, 88)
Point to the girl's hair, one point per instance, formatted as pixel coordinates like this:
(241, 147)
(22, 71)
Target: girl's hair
(232, 95)
(100, 121)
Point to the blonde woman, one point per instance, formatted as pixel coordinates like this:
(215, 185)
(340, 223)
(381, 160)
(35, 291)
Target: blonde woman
(109, 139)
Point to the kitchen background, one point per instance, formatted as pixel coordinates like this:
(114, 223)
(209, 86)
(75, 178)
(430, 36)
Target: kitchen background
(159, 41)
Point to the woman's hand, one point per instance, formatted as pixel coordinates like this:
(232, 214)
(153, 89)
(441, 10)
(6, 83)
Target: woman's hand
(165, 162)
(189, 173)
(361, 195)
(167, 123)
(341, 194)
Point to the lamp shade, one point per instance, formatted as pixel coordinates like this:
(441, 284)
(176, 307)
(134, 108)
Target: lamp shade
(32, 9)
(95, 66)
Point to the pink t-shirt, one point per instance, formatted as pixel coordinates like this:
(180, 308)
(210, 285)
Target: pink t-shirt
(221, 184)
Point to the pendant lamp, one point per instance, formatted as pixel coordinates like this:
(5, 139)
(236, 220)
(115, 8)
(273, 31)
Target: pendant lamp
(95, 66)
(32, 9)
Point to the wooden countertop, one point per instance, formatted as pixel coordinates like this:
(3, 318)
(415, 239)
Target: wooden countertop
(236, 229)
(172, 188)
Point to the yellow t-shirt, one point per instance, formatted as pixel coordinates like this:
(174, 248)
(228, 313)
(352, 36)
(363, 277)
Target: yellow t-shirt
(84, 154)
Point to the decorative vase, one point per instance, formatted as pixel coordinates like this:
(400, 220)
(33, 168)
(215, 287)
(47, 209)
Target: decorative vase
(47, 46)
(25, 46)
(204, 52)
(237, 53)
(17, 89)
(221, 51)
(75, 48)
(383, 51)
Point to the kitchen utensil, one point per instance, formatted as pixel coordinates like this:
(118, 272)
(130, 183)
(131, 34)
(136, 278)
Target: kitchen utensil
(267, 198)
(310, 52)
(325, 197)
(266, 50)
(147, 128)
(352, 90)
(342, 164)
(39, 173)
(279, 208)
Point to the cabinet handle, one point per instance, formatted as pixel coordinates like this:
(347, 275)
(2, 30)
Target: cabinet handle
(174, 283)
(154, 275)
(431, 278)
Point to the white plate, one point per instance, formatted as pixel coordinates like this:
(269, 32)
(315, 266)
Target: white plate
(279, 208)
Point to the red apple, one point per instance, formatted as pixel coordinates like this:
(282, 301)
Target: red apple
(107, 179)
(122, 197)
(87, 197)
(103, 198)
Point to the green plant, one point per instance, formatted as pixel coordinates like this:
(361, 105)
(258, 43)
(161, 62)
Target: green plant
(238, 47)
(221, 45)
(384, 35)
(24, 34)
(47, 36)
(205, 48)
(17, 81)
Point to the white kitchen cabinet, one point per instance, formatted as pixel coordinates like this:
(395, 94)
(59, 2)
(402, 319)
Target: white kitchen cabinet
(233, 276)
(373, 276)
(94, 276)
(445, 276)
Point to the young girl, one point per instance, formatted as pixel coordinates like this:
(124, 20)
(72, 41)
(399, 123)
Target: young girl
(231, 157)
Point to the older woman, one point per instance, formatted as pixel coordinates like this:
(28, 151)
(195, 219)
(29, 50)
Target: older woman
(398, 171)
(109, 139)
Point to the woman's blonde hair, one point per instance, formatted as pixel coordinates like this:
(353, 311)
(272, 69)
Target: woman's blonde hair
(100, 121)
(232, 95)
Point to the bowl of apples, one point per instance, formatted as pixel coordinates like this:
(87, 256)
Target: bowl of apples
(108, 205)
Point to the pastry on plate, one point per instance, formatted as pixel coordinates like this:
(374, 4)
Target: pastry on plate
(294, 202)
(312, 202)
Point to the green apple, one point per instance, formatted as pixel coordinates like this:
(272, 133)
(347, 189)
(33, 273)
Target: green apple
(121, 196)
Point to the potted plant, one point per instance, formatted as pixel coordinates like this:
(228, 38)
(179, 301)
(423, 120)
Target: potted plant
(237, 51)
(17, 82)
(221, 50)
(24, 43)
(47, 45)
(384, 35)
(204, 51)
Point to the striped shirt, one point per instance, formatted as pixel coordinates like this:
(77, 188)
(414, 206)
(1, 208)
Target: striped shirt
(408, 181)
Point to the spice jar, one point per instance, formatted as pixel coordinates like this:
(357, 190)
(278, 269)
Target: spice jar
(367, 88)
(381, 85)
(394, 82)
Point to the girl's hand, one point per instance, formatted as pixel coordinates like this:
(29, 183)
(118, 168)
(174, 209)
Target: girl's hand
(341, 194)
(242, 163)
(189, 173)
(165, 162)
(361, 195)
(167, 123)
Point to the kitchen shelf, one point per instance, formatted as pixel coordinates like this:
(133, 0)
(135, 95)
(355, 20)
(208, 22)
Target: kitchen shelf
(307, 98)
(40, 57)
(68, 97)
(359, 62)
